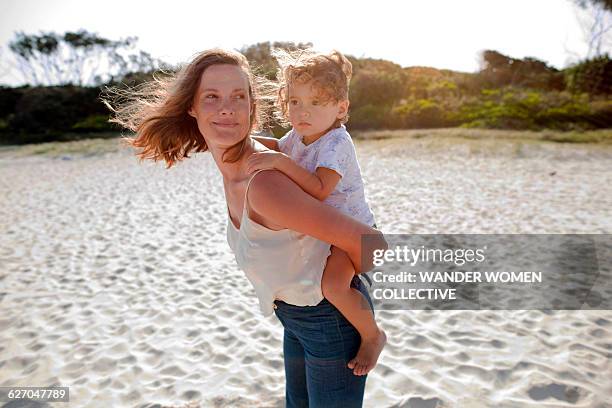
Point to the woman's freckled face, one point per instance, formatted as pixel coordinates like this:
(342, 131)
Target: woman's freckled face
(222, 106)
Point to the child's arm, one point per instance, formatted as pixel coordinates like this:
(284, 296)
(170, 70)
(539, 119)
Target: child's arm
(319, 184)
(269, 142)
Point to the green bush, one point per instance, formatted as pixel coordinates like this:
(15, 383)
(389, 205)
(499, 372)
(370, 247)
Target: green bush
(45, 113)
(8, 100)
(92, 123)
(421, 113)
(601, 114)
(508, 93)
(591, 76)
(515, 108)
(369, 117)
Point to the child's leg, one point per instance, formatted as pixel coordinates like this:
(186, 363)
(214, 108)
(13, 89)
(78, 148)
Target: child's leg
(336, 287)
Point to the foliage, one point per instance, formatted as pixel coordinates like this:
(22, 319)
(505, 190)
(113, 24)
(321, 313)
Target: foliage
(596, 24)
(369, 117)
(77, 58)
(93, 123)
(592, 76)
(421, 113)
(375, 82)
(260, 55)
(500, 70)
(508, 93)
(8, 100)
(606, 4)
(43, 113)
(516, 108)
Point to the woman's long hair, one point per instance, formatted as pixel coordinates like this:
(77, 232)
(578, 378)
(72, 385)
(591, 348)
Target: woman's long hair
(157, 111)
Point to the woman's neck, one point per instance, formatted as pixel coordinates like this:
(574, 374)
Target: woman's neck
(236, 171)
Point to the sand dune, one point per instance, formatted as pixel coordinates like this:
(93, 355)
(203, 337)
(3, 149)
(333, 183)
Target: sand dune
(116, 281)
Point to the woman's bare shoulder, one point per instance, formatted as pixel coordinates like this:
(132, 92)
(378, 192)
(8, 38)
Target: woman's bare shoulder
(276, 198)
(270, 184)
(272, 198)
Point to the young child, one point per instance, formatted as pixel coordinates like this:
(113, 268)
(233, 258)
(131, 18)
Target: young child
(318, 154)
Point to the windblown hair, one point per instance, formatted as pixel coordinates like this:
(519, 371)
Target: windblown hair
(329, 74)
(157, 111)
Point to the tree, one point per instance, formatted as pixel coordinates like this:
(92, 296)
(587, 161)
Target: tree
(76, 58)
(596, 21)
(260, 55)
(606, 4)
(591, 76)
(3, 67)
(501, 70)
(375, 81)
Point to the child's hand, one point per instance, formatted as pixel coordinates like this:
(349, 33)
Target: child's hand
(268, 159)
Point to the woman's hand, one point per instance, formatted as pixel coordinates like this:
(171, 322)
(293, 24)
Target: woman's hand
(268, 159)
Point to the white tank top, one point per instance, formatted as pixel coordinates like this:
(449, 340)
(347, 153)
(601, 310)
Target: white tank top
(284, 264)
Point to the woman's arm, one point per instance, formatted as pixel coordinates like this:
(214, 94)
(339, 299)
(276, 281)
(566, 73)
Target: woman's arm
(278, 200)
(270, 142)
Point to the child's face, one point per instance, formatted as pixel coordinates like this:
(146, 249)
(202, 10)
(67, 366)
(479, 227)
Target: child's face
(308, 115)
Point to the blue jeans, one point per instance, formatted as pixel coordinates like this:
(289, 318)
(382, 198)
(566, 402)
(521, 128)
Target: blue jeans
(318, 344)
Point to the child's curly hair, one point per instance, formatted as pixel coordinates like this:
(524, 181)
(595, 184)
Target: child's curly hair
(329, 75)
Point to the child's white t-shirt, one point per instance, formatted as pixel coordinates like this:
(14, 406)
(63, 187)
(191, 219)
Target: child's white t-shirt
(335, 151)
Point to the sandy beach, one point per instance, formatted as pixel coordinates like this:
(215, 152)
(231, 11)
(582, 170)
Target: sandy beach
(116, 280)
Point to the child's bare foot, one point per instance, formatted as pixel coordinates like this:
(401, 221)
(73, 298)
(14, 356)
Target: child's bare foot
(368, 353)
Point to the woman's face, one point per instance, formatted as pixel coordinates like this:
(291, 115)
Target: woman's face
(222, 106)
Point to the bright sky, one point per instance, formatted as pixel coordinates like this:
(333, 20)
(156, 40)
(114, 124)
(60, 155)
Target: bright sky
(437, 33)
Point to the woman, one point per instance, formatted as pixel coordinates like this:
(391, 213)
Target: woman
(280, 235)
